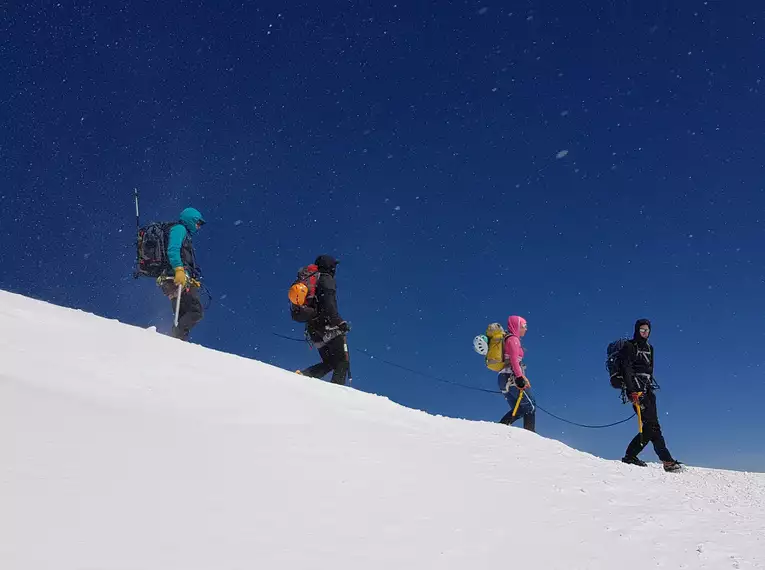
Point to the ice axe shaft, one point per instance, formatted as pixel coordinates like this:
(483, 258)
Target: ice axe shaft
(518, 402)
(137, 271)
(348, 358)
(178, 305)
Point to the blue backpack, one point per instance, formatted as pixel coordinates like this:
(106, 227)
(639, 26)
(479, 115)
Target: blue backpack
(614, 364)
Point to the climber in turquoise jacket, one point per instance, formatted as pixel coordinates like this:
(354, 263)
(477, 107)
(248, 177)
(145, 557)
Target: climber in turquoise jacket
(180, 254)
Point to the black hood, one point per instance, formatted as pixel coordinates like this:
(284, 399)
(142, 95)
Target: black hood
(326, 264)
(639, 323)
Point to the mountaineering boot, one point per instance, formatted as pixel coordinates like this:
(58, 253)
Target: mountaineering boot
(179, 334)
(673, 465)
(631, 460)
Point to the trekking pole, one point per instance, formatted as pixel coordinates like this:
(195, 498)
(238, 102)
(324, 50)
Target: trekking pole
(640, 419)
(178, 305)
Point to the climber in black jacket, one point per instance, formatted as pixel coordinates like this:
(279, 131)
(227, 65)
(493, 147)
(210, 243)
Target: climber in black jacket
(327, 329)
(637, 359)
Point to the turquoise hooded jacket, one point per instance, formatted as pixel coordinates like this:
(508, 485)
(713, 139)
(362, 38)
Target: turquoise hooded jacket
(189, 219)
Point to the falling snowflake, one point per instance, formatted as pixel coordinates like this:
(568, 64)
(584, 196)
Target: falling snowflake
(561, 154)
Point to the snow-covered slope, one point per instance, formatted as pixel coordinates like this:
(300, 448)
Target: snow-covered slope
(121, 449)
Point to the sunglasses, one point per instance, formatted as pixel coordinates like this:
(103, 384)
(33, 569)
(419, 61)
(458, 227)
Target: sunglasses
(642, 330)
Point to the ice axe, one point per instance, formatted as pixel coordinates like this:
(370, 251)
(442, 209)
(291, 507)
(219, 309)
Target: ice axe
(520, 397)
(137, 271)
(177, 299)
(518, 402)
(348, 358)
(639, 415)
(178, 305)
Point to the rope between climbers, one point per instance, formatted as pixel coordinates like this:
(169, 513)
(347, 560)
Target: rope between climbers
(585, 425)
(465, 386)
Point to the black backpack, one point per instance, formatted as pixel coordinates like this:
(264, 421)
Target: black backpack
(151, 249)
(614, 364)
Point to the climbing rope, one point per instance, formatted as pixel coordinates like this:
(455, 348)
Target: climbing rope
(464, 386)
(426, 375)
(585, 425)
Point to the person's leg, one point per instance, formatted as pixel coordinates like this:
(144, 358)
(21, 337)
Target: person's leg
(635, 446)
(509, 418)
(512, 397)
(338, 358)
(530, 421)
(652, 428)
(322, 368)
(190, 313)
(638, 442)
(529, 411)
(317, 370)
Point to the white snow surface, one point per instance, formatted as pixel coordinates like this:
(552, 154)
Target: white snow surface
(123, 449)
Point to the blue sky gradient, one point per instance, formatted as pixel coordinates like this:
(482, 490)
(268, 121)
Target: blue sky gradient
(579, 164)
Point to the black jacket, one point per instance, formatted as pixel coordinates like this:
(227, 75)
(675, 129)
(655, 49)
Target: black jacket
(637, 359)
(326, 295)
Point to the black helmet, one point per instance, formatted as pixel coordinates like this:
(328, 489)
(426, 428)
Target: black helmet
(326, 264)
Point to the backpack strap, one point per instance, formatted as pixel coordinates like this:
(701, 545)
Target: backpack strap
(506, 336)
(317, 273)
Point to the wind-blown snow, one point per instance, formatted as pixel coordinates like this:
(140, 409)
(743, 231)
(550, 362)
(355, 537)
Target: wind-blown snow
(122, 449)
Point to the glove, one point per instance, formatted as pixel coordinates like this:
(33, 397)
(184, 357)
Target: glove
(344, 327)
(180, 276)
(635, 397)
(520, 382)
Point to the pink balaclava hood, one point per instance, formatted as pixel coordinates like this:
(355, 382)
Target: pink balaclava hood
(514, 324)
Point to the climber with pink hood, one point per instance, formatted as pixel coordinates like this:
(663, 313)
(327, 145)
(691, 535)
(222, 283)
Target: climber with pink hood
(512, 379)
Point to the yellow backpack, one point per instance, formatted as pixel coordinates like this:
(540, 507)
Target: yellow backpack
(495, 357)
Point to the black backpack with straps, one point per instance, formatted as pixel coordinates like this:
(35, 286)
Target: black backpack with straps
(614, 363)
(151, 250)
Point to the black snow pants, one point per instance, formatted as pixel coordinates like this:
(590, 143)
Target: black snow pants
(651, 430)
(334, 358)
(191, 311)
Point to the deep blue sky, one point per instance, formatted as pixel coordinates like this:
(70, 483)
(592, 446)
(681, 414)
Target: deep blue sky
(578, 163)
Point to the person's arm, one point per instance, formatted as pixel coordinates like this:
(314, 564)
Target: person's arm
(326, 297)
(178, 233)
